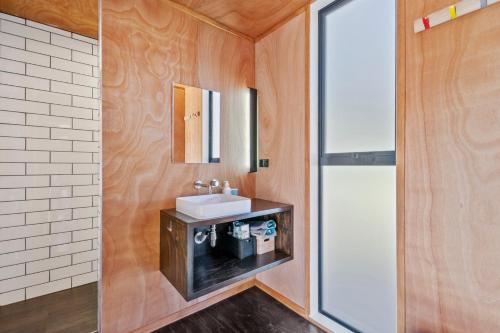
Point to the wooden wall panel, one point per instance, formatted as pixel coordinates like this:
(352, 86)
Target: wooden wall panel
(280, 79)
(453, 172)
(147, 46)
(179, 130)
(400, 161)
(79, 16)
(250, 17)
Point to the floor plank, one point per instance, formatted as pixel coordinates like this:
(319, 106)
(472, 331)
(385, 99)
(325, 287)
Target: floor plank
(249, 311)
(73, 310)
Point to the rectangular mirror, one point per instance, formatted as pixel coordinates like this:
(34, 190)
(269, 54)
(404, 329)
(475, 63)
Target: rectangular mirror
(196, 125)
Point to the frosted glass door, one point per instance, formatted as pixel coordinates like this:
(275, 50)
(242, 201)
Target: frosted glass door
(359, 76)
(358, 242)
(357, 220)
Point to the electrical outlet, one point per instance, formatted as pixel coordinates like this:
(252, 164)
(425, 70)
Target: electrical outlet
(264, 163)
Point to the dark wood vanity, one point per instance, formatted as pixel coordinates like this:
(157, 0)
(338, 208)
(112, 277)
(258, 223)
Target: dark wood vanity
(198, 269)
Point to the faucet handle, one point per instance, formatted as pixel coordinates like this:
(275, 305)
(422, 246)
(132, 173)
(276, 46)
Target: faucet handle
(198, 184)
(214, 183)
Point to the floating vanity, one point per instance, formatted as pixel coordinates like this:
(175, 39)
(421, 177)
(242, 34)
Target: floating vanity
(198, 269)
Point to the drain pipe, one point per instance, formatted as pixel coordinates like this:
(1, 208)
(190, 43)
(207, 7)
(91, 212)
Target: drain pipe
(213, 235)
(200, 237)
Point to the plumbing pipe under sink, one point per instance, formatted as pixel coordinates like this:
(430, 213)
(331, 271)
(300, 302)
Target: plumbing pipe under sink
(201, 236)
(213, 236)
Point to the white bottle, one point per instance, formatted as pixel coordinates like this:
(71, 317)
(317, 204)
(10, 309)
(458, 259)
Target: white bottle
(226, 189)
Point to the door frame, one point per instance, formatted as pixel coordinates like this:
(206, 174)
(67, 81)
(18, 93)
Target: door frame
(314, 312)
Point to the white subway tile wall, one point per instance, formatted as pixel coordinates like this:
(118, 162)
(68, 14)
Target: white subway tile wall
(49, 159)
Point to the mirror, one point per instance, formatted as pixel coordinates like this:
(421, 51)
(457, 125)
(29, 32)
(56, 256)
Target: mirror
(196, 125)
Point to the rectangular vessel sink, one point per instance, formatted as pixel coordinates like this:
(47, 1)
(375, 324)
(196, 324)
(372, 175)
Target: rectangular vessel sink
(213, 205)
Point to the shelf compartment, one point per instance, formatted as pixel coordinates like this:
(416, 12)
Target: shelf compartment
(214, 271)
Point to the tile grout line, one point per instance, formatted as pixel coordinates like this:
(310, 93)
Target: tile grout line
(52, 145)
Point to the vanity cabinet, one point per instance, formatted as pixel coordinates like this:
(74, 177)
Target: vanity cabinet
(198, 269)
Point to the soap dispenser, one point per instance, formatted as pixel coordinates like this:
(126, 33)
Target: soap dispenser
(226, 189)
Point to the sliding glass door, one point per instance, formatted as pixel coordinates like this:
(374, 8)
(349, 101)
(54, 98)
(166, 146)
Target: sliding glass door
(357, 172)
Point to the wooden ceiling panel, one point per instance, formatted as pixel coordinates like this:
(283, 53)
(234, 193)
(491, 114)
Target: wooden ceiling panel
(79, 16)
(249, 17)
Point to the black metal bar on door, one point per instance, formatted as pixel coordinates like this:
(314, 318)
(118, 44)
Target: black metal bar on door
(361, 158)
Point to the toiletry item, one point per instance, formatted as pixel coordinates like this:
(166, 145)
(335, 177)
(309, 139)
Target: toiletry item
(245, 231)
(262, 224)
(263, 228)
(226, 189)
(241, 230)
(264, 232)
(237, 228)
(234, 191)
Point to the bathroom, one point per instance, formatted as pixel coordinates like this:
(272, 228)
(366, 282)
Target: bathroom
(249, 166)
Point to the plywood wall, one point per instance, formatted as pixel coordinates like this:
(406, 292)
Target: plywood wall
(281, 81)
(79, 16)
(147, 46)
(250, 17)
(179, 130)
(453, 172)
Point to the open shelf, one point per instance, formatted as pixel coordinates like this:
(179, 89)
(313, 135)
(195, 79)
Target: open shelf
(198, 269)
(215, 270)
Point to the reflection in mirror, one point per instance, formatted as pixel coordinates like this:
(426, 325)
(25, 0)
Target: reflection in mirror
(196, 125)
(50, 196)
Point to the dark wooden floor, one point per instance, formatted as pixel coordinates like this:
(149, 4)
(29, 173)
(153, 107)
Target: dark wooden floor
(72, 310)
(249, 311)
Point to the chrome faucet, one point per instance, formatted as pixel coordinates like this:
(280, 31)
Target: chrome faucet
(214, 183)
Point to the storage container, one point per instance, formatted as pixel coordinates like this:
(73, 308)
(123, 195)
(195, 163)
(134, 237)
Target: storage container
(264, 244)
(240, 248)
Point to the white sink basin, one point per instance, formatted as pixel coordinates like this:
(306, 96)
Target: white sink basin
(213, 205)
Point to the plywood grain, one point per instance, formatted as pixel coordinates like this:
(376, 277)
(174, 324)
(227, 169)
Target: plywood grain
(282, 299)
(239, 287)
(280, 79)
(453, 173)
(307, 157)
(250, 17)
(400, 161)
(147, 46)
(179, 130)
(76, 16)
